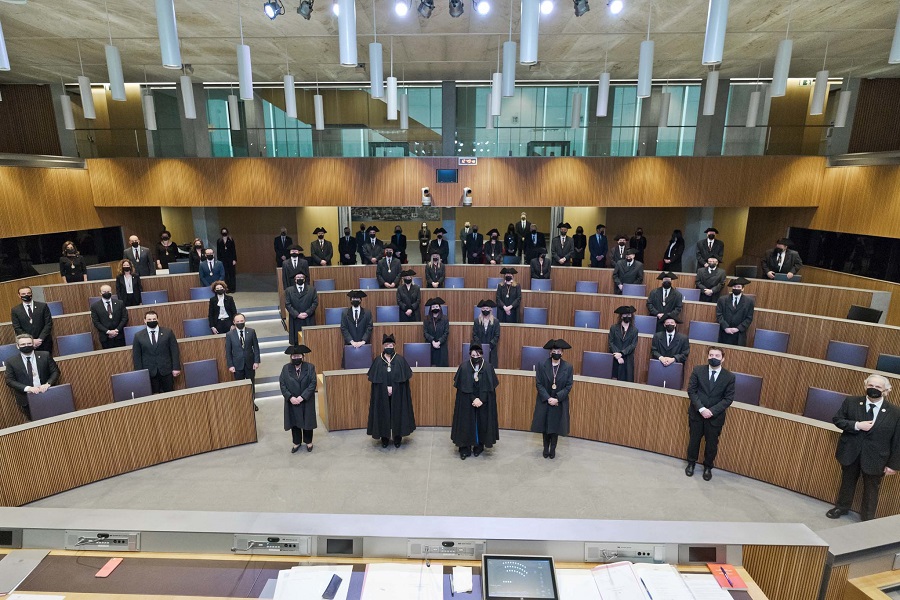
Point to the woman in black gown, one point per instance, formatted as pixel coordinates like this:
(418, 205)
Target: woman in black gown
(390, 404)
(71, 264)
(298, 386)
(437, 331)
(623, 340)
(409, 298)
(486, 330)
(508, 297)
(553, 380)
(475, 422)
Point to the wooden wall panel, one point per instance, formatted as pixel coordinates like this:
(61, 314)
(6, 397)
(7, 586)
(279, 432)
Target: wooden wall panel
(27, 121)
(787, 572)
(835, 278)
(876, 122)
(75, 296)
(837, 582)
(45, 459)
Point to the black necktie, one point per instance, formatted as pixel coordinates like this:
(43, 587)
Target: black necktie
(712, 376)
(109, 309)
(241, 332)
(28, 311)
(30, 369)
(670, 340)
(153, 338)
(870, 414)
(136, 254)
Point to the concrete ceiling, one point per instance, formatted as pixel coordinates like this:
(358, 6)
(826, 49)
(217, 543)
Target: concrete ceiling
(44, 37)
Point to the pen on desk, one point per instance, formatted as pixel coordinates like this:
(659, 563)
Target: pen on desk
(726, 576)
(649, 595)
(452, 593)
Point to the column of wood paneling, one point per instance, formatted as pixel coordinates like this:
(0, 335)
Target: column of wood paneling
(27, 122)
(787, 572)
(837, 582)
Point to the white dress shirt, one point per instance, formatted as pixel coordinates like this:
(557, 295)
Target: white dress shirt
(223, 314)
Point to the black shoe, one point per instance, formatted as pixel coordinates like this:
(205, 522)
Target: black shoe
(707, 473)
(552, 453)
(689, 469)
(384, 442)
(397, 442)
(836, 513)
(309, 448)
(255, 407)
(294, 449)
(546, 453)
(478, 450)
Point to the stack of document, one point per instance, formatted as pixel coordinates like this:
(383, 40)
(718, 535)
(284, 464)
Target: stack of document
(412, 581)
(308, 582)
(627, 581)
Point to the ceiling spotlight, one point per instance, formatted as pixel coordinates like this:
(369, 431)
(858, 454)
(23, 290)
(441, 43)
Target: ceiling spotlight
(426, 7)
(273, 9)
(546, 7)
(482, 7)
(456, 8)
(305, 9)
(401, 8)
(581, 7)
(336, 9)
(616, 6)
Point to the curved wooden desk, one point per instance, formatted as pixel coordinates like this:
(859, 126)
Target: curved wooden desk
(54, 455)
(74, 296)
(789, 451)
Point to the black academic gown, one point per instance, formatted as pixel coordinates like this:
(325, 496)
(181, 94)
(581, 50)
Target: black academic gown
(438, 329)
(409, 299)
(390, 416)
(303, 415)
(730, 316)
(624, 343)
(552, 419)
(508, 295)
(475, 426)
(491, 336)
(297, 302)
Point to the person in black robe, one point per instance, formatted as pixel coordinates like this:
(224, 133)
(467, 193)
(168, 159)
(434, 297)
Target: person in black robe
(553, 380)
(475, 422)
(508, 297)
(510, 241)
(623, 339)
(437, 330)
(408, 298)
(390, 405)
(298, 386)
(486, 329)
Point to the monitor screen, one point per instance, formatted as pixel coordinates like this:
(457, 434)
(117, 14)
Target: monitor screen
(447, 175)
(339, 546)
(520, 577)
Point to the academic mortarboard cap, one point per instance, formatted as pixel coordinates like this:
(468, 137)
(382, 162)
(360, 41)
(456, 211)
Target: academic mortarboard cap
(668, 274)
(630, 252)
(712, 229)
(676, 319)
(475, 348)
(625, 310)
(489, 303)
(296, 247)
(319, 230)
(621, 237)
(508, 271)
(356, 294)
(492, 232)
(433, 301)
(371, 229)
(739, 281)
(561, 225)
(388, 339)
(407, 273)
(440, 230)
(559, 344)
(298, 349)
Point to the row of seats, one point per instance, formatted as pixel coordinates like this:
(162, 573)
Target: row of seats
(58, 400)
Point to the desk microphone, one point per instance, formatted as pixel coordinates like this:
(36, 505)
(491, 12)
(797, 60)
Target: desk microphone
(427, 559)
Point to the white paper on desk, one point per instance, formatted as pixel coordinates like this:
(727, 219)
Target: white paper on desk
(390, 581)
(308, 582)
(462, 580)
(34, 597)
(705, 587)
(618, 581)
(576, 584)
(663, 581)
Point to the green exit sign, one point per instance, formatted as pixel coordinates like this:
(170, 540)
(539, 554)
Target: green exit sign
(807, 81)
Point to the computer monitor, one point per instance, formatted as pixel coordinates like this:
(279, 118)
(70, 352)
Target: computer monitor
(519, 577)
(446, 175)
(864, 314)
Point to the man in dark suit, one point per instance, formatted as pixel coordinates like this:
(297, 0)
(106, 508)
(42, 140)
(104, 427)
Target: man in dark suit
(388, 270)
(242, 352)
(710, 280)
(282, 244)
(523, 229)
(617, 252)
(109, 317)
(347, 248)
(211, 270)
(562, 247)
(782, 260)
(627, 270)
(227, 253)
(301, 301)
(34, 318)
(360, 240)
(734, 313)
(869, 446)
(669, 346)
(464, 235)
(598, 246)
(321, 251)
(473, 247)
(665, 301)
(711, 390)
(534, 240)
(140, 257)
(156, 349)
(710, 246)
(424, 241)
(356, 322)
(29, 372)
(439, 245)
(540, 264)
(372, 247)
(398, 240)
(294, 264)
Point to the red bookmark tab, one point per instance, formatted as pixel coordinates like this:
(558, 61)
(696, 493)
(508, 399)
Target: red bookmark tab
(109, 567)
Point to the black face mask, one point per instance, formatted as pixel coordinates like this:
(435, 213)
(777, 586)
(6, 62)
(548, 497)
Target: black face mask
(346, 234)
(736, 292)
(198, 246)
(321, 236)
(475, 230)
(209, 257)
(493, 237)
(667, 284)
(372, 236)
(152, 324)
(300, 281)
(26, 298)
(135, 244)
(670, 328)
(711, 236)
(107, 295)
(436, 311)
(398, 232)
(388, 254)
(240, 325)
(477, 361)
(440, 235)
(126, 269)
(355, 302)
(556, 355)
(297, 361)
(295, 255)
(873, 393)
(778, 250)
(713, 267)
(224, 234)
(165, 238)
(621, 245)
(408, 280)
(626, 319)
(714, 362)
(70, 252)
(486, 312)
(26, 350)
(509, 278)
(435, 260)
(220, 291)
(389, 351)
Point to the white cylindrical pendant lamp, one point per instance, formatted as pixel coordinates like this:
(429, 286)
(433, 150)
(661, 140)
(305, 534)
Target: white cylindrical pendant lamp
(234, 113)
(114, 69)
(187, 97)
(716, 23)
(817, 106)
(87, 97)
(894, 56)
(168, 34)
(290, 97)
(709, 96)
(665, 100)
(347, 32)
(149, 107)
(68, 116)
(577, 101)
(496, 94)
(376, 70)
(528, 35)
(245, 71)
(391, 98)
(603, 95)
(753, 109)
(404, 112)
(782, 68)
(645, 70)
(489, 123)
(4, 55)
(843, 107)
(319, 109)
(509, 69)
